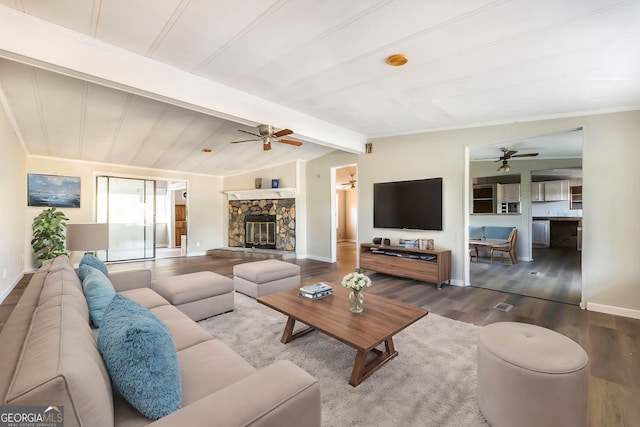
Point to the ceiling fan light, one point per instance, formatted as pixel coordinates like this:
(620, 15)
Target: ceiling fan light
(504, 167)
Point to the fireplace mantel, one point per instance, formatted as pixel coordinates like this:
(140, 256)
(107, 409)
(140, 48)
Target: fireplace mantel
(261, 193)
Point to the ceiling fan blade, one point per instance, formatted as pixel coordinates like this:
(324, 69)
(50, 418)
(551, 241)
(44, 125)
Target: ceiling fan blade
(291, 142)
(250, 133)
(266, 146)
(526, 155)
(283, 132)
(244, 140)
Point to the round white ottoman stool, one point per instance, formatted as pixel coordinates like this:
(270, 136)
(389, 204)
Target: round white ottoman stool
(531, 376)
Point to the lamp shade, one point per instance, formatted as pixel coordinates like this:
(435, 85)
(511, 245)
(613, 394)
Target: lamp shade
(87, 237)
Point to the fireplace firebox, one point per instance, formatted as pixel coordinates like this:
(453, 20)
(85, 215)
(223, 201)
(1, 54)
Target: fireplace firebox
(260, 231)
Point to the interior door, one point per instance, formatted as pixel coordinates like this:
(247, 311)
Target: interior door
(128, 205)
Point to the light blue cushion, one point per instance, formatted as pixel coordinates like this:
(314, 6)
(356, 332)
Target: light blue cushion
(94, 262)
(98, 291)
(85, 269)
(476, 232)
(497, 232)
(141, 358)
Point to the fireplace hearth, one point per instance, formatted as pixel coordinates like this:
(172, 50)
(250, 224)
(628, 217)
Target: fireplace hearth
(260, 231)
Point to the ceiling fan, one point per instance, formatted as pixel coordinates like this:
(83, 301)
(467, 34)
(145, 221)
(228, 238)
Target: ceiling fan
(266, 134)
(351, 184)
(506, 155)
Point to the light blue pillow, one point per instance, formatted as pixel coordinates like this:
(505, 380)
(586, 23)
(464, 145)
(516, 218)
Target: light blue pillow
(98, 292)
(141, 358)
(95, 262)
(85, 269)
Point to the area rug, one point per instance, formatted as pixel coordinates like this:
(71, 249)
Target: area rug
(432, 381)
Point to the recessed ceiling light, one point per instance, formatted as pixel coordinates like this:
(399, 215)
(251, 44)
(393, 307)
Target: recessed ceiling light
(397, 60)
(206, 150)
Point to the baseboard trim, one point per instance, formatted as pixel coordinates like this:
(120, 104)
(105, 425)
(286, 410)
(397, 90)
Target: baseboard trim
(618, 311)
(11, 287)
(457, 282)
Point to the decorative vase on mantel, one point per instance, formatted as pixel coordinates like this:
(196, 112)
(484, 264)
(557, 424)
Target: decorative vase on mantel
(356, 301)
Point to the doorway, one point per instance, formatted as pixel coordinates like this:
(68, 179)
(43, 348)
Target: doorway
(171, 219)
(128, 206)
(345, 219)
(553, 273)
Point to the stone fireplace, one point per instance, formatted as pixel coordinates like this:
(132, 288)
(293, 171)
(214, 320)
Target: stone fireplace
(263, 224)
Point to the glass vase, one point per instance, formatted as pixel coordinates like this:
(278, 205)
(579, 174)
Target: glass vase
(356, 301)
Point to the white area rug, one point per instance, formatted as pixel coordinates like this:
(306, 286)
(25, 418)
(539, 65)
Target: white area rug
(432, 381)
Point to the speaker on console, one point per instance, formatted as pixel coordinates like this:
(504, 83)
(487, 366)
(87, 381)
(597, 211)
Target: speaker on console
(381, 241)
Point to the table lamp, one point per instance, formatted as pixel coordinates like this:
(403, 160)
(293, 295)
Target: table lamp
(87, 237)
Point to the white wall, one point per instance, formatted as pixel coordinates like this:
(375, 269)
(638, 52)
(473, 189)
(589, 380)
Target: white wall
(286, 173)
(205, 201)
(13, 182)
(319, 201)
(611, 199)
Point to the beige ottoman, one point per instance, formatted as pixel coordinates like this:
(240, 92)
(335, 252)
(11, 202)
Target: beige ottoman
(265, 277)
(198, 295)
(531, 376)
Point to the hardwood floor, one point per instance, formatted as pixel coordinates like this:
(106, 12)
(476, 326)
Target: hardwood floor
(612, 342)
(554, 274)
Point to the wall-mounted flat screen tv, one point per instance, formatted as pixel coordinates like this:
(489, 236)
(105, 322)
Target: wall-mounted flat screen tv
(412, 205)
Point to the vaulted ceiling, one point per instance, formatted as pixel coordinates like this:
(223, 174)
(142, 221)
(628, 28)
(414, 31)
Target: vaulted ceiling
(151, 84)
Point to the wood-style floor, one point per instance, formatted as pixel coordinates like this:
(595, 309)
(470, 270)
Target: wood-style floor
(554, 274)
(612, 342)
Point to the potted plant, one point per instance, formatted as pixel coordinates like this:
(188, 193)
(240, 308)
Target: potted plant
(48, 234)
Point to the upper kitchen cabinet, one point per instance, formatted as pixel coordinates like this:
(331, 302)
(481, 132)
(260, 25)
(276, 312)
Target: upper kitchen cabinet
(556, 190)
(550, 191)
(509, 192)
(484, 198)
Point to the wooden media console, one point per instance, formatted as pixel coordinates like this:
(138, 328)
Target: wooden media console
(428, 265)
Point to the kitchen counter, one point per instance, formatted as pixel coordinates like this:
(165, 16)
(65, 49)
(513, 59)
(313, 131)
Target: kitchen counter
(558, 218)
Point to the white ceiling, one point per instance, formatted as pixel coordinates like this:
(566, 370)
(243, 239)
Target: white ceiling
(132, 82)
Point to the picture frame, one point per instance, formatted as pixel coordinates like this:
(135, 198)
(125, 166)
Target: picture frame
(53, 191)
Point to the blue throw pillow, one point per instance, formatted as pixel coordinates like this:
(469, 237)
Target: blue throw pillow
(98, 291)
(94, 262)
(141, 358)
(85, 269)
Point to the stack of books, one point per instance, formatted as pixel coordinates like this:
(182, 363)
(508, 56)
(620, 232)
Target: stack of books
(317, 290)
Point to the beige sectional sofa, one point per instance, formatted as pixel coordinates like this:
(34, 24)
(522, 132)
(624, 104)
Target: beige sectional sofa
(49, 356)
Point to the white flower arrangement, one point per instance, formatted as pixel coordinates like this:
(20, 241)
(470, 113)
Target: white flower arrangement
(356, 281)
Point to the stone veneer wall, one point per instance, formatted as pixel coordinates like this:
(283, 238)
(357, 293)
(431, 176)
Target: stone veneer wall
(283, 209)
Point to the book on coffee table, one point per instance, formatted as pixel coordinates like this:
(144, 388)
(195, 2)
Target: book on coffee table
(317, 290)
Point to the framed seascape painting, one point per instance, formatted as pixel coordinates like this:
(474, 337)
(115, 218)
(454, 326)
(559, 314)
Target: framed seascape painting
(53, 190)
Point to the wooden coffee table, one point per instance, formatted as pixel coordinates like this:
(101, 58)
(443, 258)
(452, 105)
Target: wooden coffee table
(381, 319)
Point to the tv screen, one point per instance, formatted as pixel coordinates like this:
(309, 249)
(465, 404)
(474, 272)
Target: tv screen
(413, 205)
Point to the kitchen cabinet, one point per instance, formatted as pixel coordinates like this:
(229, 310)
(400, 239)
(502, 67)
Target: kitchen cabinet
(556, 190)
(508, 192)
(576, 197)
(484, 198)
(550, 191)
(537, 191)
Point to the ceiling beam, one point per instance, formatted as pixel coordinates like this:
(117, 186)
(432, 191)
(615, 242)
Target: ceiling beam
(39, 43)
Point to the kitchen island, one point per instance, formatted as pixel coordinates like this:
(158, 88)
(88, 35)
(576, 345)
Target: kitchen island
(564, 232)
